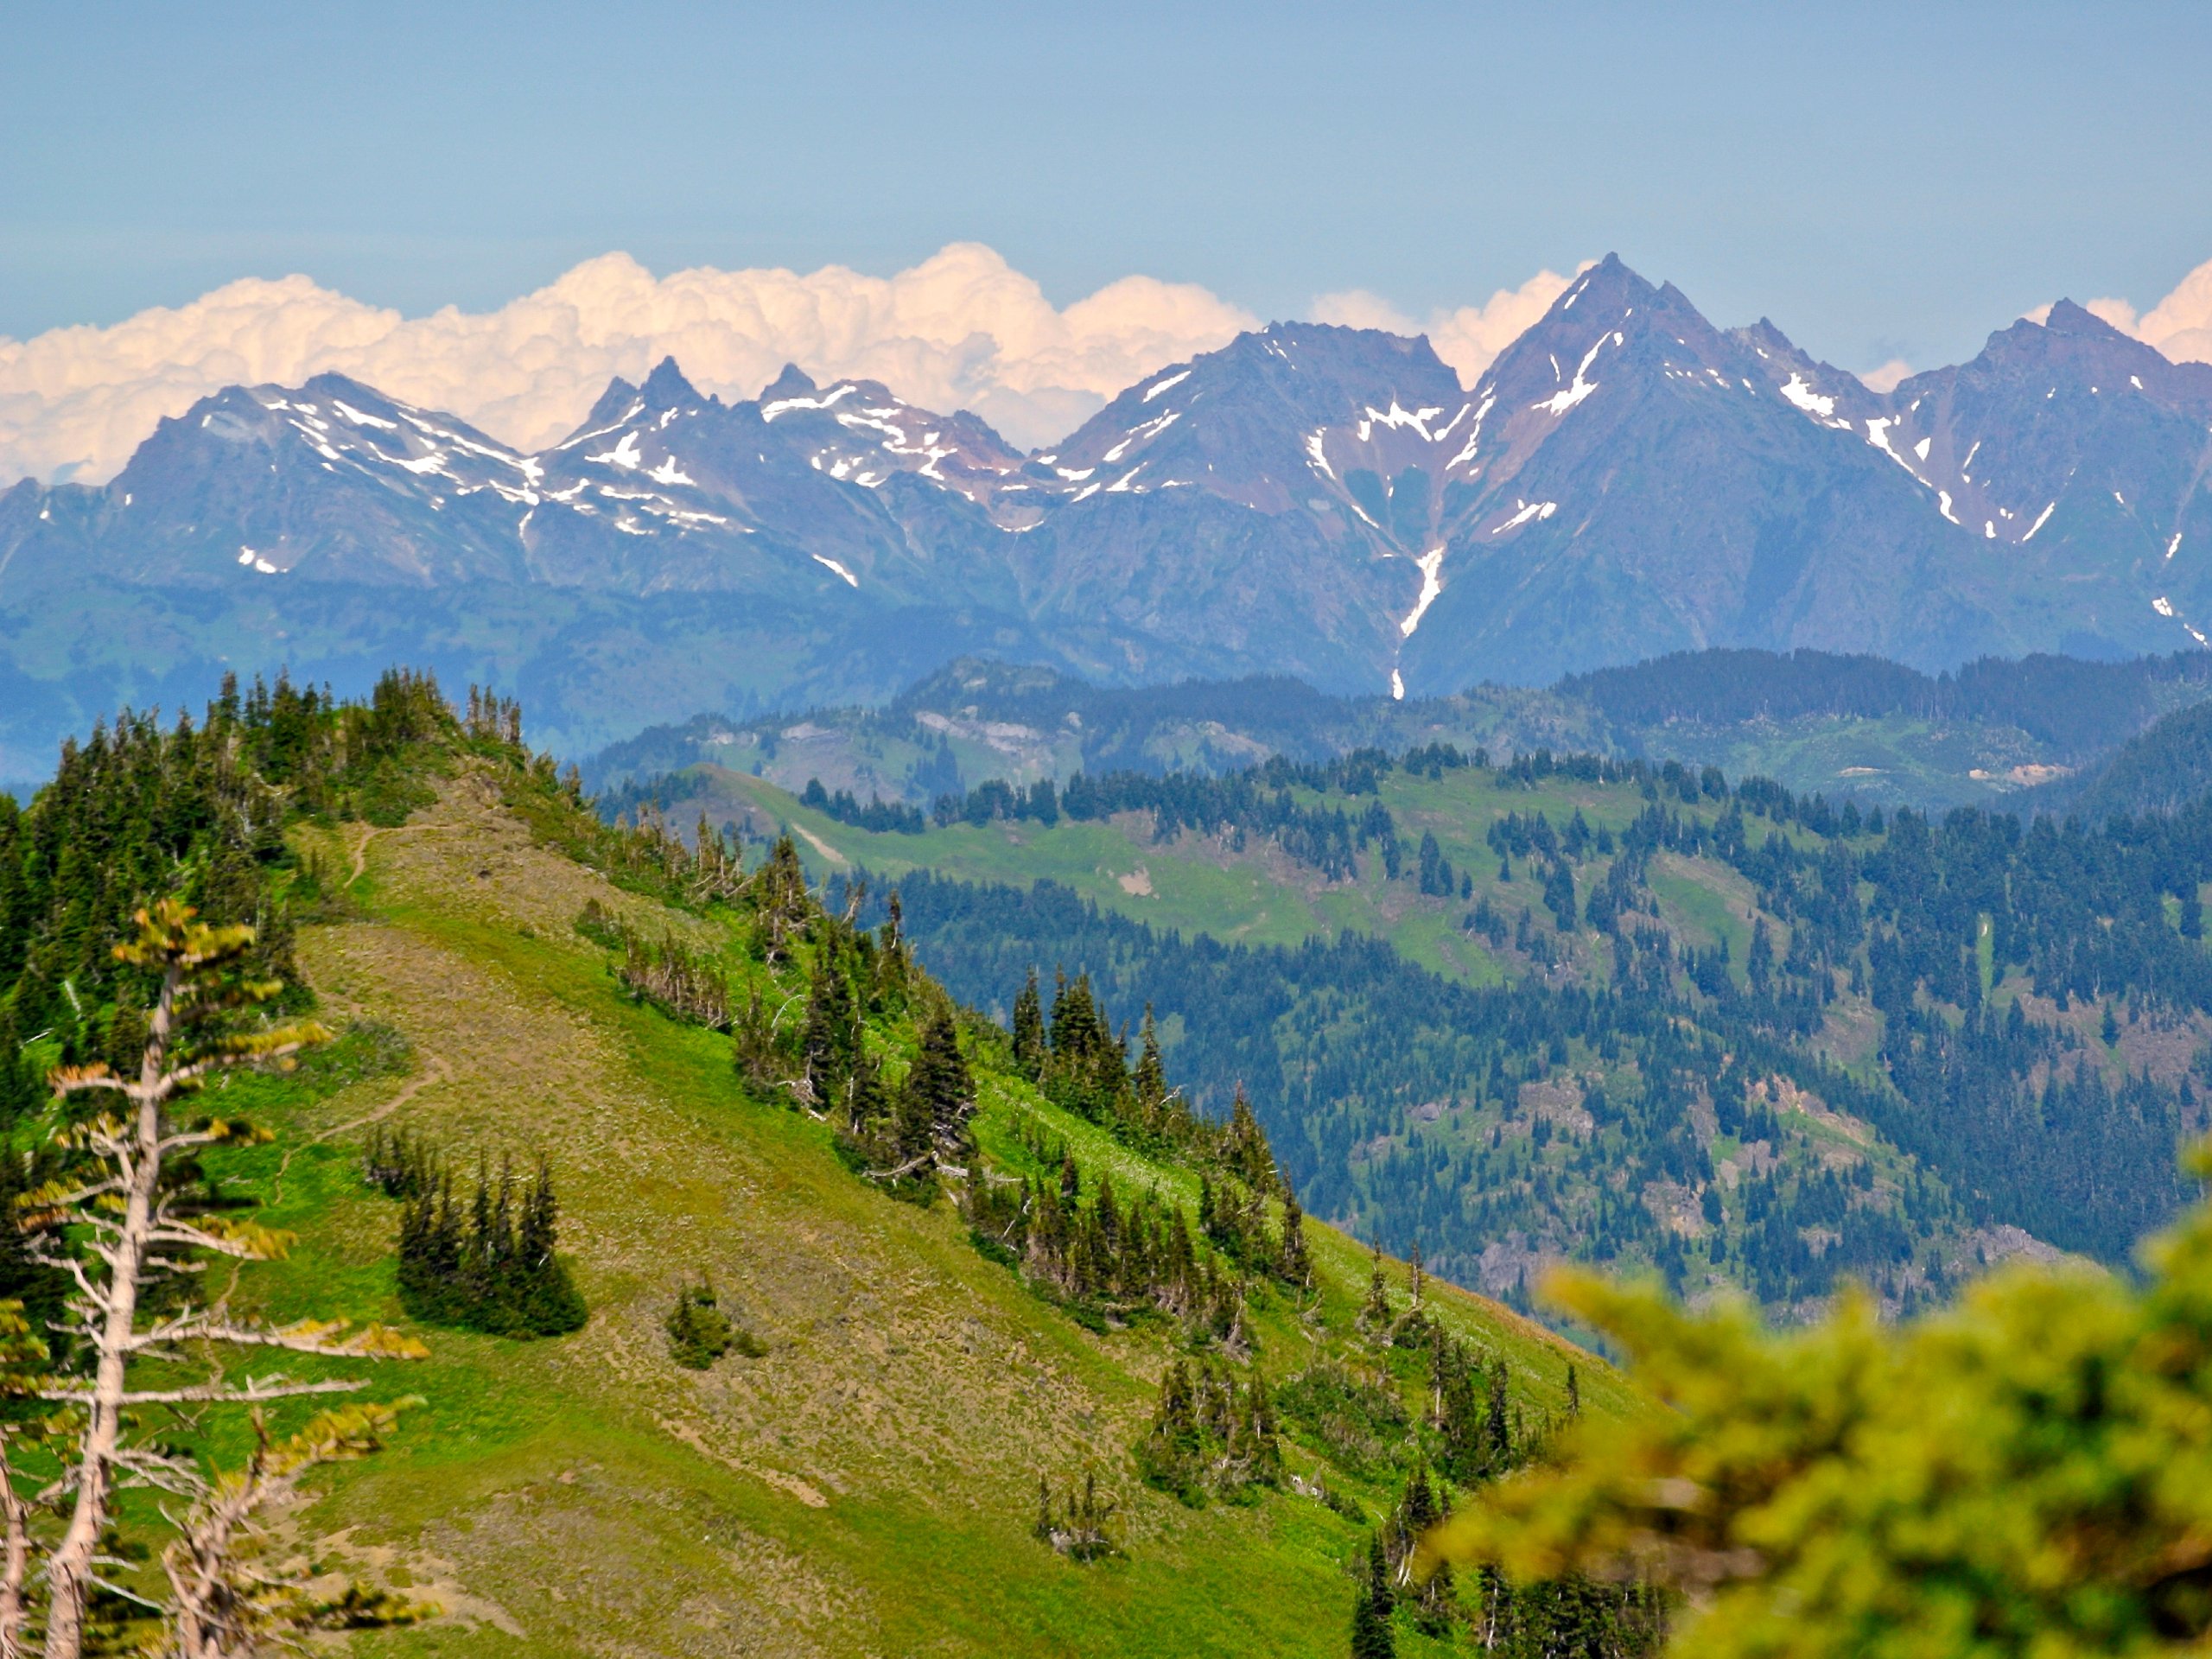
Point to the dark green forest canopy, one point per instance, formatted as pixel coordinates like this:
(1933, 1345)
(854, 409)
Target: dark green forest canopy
(1971, 938)
(2075, 705)
(195, 809)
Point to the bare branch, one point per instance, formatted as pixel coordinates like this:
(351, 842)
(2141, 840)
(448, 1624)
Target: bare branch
(74, 1080)
(320, 1336)
(254, 1391)
(907, 1168)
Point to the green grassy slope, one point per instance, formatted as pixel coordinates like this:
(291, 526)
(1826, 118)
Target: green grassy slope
(866, 1487)
(1434, 1135)
(1203, 884)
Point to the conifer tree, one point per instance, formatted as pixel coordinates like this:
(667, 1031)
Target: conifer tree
(940, 1090)
(699, 1333)
(832, 1044)
(1294, 1262)
(1150, 1082)
(1375, 1316)
(781, 903)
(1247, 1152)
(894, 959)
(1371, 1637)
(493, 1267)
(19, 1090)
(1029, 1050)
(1498, 1428)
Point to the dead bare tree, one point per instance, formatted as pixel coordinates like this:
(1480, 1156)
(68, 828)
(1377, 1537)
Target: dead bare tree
(20, 1350)
(120, 1221)
(232, 1593)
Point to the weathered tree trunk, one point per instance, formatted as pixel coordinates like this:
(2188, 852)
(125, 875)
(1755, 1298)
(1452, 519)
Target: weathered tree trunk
(14, 1569)
(69, 1570)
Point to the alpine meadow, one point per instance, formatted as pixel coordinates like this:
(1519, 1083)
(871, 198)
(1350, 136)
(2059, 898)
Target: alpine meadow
(1233, 831)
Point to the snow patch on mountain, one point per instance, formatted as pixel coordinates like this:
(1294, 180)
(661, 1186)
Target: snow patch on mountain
(1559, 401)
(1536, 510)
(785, 405)
(1431, 584)
(1800, 391)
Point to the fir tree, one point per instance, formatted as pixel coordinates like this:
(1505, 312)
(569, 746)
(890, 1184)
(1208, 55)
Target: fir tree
(1497, 1427)
(1293, 1263)
(1247, 1152)
(1370, 1632)
(1371, 1637)
(1151, 1079)
(699, 1333)
(20, 1094)
(941, 1092)
(1029, 1051)
(831, 1045)
(480, 1268)
(1375, 1316)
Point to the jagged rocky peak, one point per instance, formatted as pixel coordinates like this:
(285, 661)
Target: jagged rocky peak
(1274, 421)
(793, 382)
(666, 388)
(860, 432)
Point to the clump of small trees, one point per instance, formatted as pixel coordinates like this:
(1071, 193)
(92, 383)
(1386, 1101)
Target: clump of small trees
(1208, 1437)
(700, 1333)
(1080, 1520)
(491, 1264)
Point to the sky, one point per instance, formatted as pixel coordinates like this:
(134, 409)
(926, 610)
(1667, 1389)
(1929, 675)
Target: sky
(1887, 182)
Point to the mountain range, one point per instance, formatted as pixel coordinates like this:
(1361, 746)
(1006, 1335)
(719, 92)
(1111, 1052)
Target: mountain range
(1319, 502)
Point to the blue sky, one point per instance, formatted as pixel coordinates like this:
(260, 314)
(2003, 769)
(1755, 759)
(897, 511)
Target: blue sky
(1882, 180)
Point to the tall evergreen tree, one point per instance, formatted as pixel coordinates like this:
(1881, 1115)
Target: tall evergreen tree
(940, 1089)
(1029, 1030)
(19, 1091)
(1151, 1079)
(1294, 1264)
(1371, 1637)
(832, 1044)
(1375, 1315)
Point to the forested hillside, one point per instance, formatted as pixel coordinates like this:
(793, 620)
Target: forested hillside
(1610, 1012)
(1858, 727)
(771, 1298)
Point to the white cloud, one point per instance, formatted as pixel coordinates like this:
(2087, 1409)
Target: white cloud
(2179, 327)
(962, 329)
(1355, 308)
(1887, 378)
(1469, 337)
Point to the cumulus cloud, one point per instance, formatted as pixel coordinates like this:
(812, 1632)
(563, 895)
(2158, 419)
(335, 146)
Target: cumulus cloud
(962, 329)
(1468, 337)
(1471, 338)
(2179, 326)
(1887, 378)
(1355, 308)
